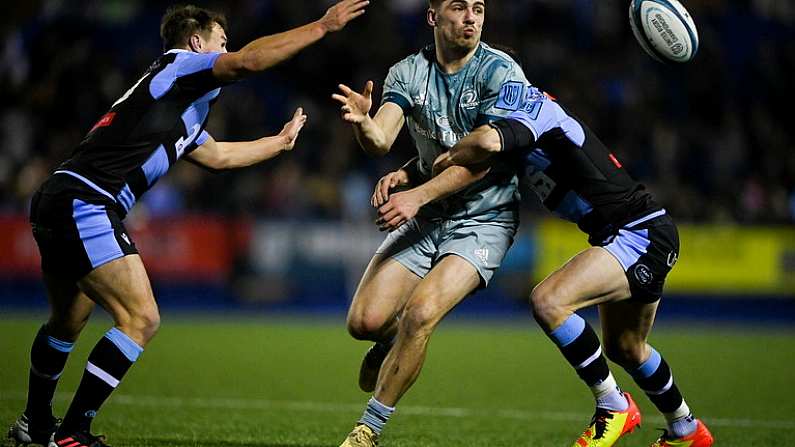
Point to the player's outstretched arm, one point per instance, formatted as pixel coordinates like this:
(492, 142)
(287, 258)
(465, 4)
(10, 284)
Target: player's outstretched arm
(375, 135)
(225, 155)
(268, 51)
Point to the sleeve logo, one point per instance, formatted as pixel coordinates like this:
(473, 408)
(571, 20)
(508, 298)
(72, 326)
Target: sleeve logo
(510, 96)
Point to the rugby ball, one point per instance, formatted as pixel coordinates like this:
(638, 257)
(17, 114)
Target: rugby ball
(664, 29)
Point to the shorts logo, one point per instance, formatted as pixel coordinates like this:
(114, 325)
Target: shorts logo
(643, 274)
(672, 258)
(483, 255)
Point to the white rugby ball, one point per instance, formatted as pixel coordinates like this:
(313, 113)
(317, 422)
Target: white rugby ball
(664, 29)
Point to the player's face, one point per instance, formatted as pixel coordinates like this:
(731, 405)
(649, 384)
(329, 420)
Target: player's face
(214, 41)
(460, 22)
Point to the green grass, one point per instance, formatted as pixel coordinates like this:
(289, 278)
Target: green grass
(292, 382)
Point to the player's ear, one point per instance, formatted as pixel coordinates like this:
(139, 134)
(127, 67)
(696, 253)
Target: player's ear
(431, 17)
(195, 43)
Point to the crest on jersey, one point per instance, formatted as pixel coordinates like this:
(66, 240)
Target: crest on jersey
(469, 99)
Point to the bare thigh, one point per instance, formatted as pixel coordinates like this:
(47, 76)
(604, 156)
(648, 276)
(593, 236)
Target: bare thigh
(122, 288)
(591, 277)
(381, 295)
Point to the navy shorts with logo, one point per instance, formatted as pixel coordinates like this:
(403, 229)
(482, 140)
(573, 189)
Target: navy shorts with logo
(76, 228)
(647, 249)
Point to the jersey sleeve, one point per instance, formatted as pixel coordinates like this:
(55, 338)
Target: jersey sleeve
(396, 87)
(194, 71)
(537, 115)
(502, 91)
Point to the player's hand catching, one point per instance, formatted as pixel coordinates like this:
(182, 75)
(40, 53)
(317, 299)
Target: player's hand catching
(355, 106)
(293, 128)
(343, 12)
(387, 182)
(399, 209)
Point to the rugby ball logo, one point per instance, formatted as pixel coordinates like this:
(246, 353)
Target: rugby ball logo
(664, 29)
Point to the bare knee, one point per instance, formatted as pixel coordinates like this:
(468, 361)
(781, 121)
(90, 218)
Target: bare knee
(419, 319)
(547, 306)
(627, 351)
(140, 324)
(367, 325)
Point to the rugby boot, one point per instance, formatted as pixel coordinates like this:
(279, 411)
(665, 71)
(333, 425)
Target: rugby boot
(607, 426)
(699, 438)
(79, 439)
(371, 366)
(361, 436)
(25, 432)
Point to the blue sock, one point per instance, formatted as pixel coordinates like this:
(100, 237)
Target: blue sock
(376, 415)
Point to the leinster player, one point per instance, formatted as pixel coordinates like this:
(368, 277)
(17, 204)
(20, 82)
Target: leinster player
(634, 246)
(87, 255)
(429, 265)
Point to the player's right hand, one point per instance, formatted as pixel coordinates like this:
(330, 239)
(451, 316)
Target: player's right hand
(293, 127)
(343, 12)
(355, 106)
(387, 183)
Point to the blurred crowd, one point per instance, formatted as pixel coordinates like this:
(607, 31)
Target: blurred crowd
(712, 139)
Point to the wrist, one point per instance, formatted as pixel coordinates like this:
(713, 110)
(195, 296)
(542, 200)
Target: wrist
(422, 196)
(322, 27)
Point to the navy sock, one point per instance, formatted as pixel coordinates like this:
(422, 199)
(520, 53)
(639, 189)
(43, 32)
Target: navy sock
(113, 355)
(47, 360)
(655, 378)
(578, 342)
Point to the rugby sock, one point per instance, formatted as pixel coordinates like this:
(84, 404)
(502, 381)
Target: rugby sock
(47, 360)
(578, 342)
(655, 378)
(376, 415)
(108, 362)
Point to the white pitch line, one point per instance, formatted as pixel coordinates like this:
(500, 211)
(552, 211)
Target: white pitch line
(408, 410)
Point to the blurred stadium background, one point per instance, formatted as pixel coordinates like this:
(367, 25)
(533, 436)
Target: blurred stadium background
(713, 140)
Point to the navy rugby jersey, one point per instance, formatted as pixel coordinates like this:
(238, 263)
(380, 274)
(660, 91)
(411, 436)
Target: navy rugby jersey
(159, 120)
(571, 170)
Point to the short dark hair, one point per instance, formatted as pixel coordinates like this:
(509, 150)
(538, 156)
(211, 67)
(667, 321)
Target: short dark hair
(182, 21)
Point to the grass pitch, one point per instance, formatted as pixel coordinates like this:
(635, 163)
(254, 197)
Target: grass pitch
(292, 382)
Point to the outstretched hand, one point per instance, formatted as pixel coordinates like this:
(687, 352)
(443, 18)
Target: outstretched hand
(293, 128)
(343, 12)
(355, 106)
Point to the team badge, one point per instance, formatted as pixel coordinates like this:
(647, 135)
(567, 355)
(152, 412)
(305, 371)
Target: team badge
(483, 255)
(643, 274)
(469, 99)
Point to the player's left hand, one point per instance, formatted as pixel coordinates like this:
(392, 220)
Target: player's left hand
(293, 128)
(343, 12)
(401, 208)
(442, 162)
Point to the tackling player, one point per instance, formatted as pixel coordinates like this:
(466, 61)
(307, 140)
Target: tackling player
(424, 269)
(634, 246)
(76, 215)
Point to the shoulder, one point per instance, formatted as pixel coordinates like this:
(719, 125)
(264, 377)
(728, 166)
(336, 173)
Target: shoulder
(411, 63)
(498, 66)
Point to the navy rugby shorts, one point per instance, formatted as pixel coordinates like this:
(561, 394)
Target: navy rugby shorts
(647, 249)
(76, 229)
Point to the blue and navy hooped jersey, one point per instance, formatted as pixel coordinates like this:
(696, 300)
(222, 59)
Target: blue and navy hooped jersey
(157, 121)
(572, 172)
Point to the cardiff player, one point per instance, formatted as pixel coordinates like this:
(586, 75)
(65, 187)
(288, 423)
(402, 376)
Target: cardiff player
(634, 246)
(76, 215)
(426, 268)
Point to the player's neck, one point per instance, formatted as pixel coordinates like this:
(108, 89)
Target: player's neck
(452, 60)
